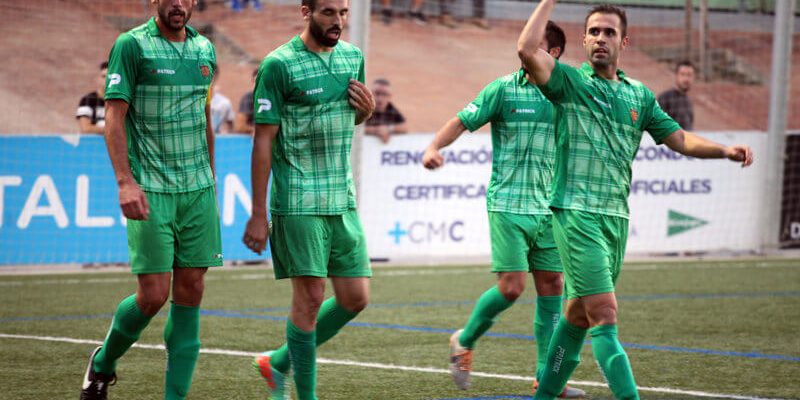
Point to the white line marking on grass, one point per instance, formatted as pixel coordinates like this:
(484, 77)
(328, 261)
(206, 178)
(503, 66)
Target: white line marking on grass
(388, 367)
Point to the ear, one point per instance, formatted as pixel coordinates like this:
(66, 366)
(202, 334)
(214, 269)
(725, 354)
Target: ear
(306, 12)
(555, 52)
(625, 42)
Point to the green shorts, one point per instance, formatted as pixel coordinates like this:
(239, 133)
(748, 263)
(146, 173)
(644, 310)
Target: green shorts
(181, 231)
(592, 248)
(522, 243)
(318, 245)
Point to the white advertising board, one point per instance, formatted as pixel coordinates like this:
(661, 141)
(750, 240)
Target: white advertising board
(677, 204)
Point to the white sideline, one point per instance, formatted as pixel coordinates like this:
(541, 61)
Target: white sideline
(389, 367)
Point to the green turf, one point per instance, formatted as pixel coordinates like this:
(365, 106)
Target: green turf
(737, 306)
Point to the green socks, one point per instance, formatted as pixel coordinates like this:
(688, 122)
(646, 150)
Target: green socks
(613, 362)
(127, 325)
(331, 318)
(303, 353)
(563, 357)
(489, 306)
(182, 336)
(548, 312)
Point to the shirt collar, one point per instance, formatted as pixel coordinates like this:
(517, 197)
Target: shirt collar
(152, 28)
(520, 78)
(298, 44)
(587, 69)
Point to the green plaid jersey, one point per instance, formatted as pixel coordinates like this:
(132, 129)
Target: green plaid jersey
(166, 91)
(307, 97)
(599, 125)
(523, 143)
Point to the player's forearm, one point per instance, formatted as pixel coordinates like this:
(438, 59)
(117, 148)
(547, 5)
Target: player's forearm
(448, 133)
(692, 145)
(117, 141)
(260, 167)
(533, 33)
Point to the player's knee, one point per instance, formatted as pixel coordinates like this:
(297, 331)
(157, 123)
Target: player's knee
(512, 291)
(151, 302)
(552, 285)
(604, 314)
(356, 305)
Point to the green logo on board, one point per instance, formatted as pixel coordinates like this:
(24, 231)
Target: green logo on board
(679, 223)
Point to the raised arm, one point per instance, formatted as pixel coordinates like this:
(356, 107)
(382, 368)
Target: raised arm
(536, 61)
(255, 234)
(692, 145)
(432, 159)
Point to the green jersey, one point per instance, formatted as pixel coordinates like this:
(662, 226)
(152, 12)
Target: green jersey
(307, 96)
(523, 143)
(166, 89)
(599, 124)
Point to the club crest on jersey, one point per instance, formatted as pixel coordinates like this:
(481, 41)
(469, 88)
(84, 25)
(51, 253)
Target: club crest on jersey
(204, 71)
(634, 115)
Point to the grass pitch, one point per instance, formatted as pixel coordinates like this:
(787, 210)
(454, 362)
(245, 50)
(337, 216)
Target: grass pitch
(721, 329)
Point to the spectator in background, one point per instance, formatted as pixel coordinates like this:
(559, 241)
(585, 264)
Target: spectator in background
(415, 13)
(244, 118)
(221, 108)
(386, 120)
(91, 112)
(239, 5)
(478, 14)
(675, 101)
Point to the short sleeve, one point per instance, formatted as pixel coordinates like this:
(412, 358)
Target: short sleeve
(269, 93)
(122, 68)
(485, 106)
(660, 125)
(361, 75)
(557, 88)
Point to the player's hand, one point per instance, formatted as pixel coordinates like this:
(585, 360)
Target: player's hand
(432, 158)
(741, 154)
(361, 98)
(255, 234)
(133, 201)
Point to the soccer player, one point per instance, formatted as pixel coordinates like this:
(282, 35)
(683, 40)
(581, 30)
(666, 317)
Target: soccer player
(601, 115)
(310, 95)
(161, 146)
(523, 152)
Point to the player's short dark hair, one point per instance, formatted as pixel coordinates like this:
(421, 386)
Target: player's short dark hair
(104, 65)
(311, 4)
(381, 81)
(609, 9)
(685, 63)
(555, 37)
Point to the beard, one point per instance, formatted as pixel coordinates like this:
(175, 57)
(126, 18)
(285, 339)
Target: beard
(602, 62)
(322, 36)
(166, 17)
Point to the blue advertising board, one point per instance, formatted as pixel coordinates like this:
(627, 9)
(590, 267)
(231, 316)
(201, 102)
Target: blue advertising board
(59, 204)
